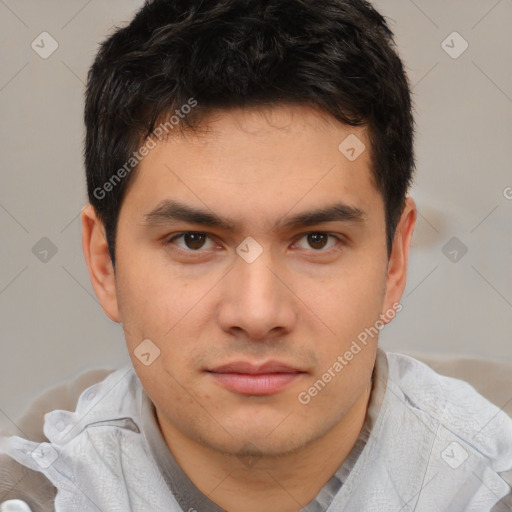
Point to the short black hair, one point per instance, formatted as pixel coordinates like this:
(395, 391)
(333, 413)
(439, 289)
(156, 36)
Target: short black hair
(336, 55)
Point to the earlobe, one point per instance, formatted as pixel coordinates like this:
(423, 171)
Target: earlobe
(399, 258)
(97, 258)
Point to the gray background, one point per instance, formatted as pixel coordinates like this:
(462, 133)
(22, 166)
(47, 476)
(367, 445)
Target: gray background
(52, 326)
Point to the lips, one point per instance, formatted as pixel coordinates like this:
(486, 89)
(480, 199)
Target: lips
(252, 369)
(247, 378)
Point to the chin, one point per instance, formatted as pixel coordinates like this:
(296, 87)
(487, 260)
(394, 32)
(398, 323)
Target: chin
(255, 442)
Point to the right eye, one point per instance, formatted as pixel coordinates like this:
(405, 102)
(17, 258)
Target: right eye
(191, 241)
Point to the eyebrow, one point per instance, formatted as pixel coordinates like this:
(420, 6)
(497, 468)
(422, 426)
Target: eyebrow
(169, 211)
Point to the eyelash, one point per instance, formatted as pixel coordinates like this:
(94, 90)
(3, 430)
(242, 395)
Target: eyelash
(191, 252)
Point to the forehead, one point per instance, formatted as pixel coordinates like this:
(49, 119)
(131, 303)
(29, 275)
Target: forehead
(259, 160)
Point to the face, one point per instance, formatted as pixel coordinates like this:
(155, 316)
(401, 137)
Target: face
(252, 255)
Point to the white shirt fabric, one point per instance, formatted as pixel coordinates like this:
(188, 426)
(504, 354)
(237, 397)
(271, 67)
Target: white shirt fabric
(435, 445)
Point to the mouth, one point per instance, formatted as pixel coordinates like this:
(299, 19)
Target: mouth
(245, 378)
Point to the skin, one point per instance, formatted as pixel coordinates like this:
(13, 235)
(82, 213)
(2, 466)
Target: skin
(299, 303)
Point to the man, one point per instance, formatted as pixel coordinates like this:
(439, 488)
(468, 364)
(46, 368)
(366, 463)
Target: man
(248, 165)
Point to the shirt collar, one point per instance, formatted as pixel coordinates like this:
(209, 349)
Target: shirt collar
(190, 497)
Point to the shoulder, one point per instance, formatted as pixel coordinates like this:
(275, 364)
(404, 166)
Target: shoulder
(456, 406)
(19, 482)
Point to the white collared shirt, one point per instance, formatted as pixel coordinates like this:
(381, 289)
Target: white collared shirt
(434, 444)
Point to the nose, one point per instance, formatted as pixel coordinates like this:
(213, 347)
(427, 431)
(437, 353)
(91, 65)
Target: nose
(257, 301)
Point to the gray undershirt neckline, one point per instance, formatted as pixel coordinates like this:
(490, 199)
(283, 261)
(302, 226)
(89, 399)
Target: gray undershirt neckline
(189, 497)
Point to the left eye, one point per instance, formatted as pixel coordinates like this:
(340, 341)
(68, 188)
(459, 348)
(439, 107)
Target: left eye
(319, 241)
(192, 241)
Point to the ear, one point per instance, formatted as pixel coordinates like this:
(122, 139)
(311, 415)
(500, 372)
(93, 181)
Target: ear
(97, 257)
(399, 258)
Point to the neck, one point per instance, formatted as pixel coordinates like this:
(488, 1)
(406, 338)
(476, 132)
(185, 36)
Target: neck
(281, 484)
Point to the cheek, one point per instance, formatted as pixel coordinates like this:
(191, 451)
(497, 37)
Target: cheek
(170, 312)
(147, 289)
(147, 305)
(350, 298)
(348, 308)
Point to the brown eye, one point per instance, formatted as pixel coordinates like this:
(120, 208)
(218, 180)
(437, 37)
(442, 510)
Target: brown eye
(317, 240)
(194, 240)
